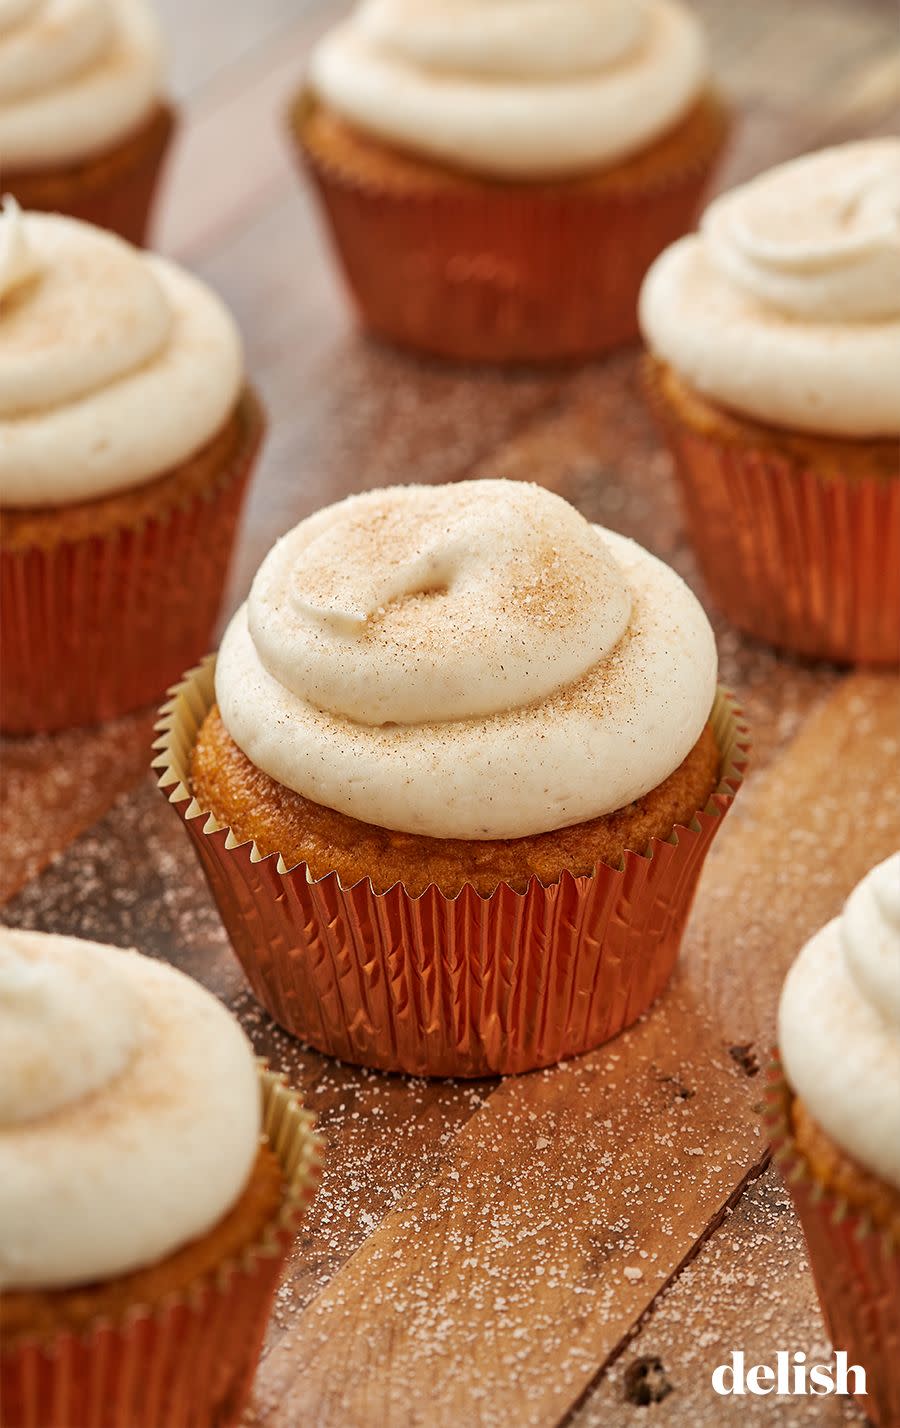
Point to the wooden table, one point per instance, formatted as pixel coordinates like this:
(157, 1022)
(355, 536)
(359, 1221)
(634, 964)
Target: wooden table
(500, 1253)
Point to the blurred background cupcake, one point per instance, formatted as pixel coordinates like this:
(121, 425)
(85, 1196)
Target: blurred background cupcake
(127, 434)
(838, 1126)
(499, 176)
(84, 124)
(443, 738)
(151, 1181)
(775, 372)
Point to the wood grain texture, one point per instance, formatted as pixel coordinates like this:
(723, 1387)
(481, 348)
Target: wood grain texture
(465, 1262)
(561, 1207)
(749, 1288)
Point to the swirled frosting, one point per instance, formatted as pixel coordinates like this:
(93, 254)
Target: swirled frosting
(466, 661)
(839, 1024)
(786, 305)
(114, 365)
(514, 88)
(75, 77)
(129, 1110)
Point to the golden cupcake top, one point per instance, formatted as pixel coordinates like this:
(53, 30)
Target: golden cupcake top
(129, 1110)
(467, 661)
(514, 88)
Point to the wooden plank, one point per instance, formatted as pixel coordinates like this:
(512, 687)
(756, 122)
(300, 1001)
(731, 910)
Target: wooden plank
(561, 1208)
(749, 1288)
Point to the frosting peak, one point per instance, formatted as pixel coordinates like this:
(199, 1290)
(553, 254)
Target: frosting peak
(818, 238)
(516, 88)
(18, 261)
(839, 1023)
(409, 604)
(465, 661)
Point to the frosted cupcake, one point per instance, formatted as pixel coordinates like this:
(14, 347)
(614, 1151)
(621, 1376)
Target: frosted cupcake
(144, 1214)
(127, 433)
(775, 334)
(498, 176)
(84, 125)
(838, 1125)
(453, 723)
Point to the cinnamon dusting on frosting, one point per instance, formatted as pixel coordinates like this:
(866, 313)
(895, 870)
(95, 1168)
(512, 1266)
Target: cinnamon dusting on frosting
(471, 661)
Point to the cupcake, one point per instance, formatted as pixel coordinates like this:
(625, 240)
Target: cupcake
(151, 1181)
(127, 433)
(453, 776)
(775, 372)
(499, 176)
(84, 126)
(837, 1114)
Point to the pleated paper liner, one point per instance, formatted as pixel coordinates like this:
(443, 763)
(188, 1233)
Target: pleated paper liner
(189, 1361)
(856, 1267)
(114, 190)
(448, 986)
(503, 272)
(800, 560)
(96, 627)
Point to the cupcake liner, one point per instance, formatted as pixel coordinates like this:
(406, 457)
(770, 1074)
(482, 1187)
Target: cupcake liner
(806, 562)
(93, 628)
(448, 986)
(114, 190)
(189, 1361)
(502, 272)
(856, 1267)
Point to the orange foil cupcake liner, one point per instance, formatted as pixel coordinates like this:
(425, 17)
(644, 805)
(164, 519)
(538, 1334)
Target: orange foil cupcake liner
(856, 1267)
(93, 628)
(803, 561)
(448, 986)
(114, 190)
(189, 1361)
(502, 272)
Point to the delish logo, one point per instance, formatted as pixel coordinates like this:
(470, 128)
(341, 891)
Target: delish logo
(791, 1376)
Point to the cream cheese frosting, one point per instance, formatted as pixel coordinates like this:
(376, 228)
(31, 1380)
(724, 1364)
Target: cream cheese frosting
(129, 1110)
(75, 77)
(514, 88)
(786, 305)
(466, 661)
(839, 1024)
(114, 365)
